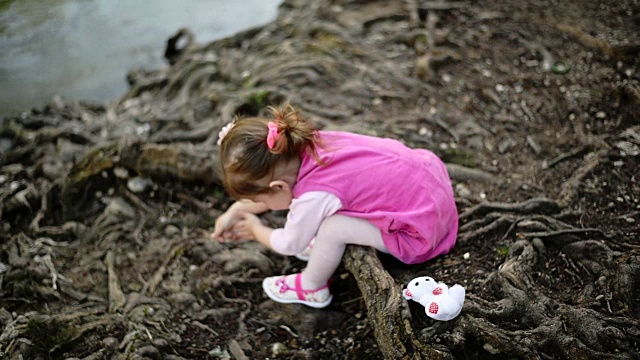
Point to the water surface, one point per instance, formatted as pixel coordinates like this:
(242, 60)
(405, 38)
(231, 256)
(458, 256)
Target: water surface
(82, 49)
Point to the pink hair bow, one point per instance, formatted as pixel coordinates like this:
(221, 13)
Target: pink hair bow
(272, 135)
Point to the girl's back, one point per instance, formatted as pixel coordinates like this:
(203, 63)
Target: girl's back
(396, 188)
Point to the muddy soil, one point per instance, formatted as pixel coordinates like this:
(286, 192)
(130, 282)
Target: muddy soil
(105, 209)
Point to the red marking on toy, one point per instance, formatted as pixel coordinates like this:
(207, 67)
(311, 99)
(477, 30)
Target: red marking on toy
(408, 293)
(433, 308)
(437, 291)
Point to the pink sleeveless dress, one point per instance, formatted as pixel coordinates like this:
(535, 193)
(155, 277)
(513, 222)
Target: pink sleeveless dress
(405, 192)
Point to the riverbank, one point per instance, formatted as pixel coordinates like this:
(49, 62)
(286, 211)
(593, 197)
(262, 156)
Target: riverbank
(106, 209)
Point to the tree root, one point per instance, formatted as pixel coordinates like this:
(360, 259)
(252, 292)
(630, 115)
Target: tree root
(179, 161)
(387, 309)
(536, 205)
(624, 52)
(541, 324)
(574, 332)
(569, 189)
(462, 174)
(117, 298)
(561, 291)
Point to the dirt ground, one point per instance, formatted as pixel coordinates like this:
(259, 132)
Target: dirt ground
(105, 209)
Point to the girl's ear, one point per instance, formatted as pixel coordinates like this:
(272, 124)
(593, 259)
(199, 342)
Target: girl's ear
(279, 185)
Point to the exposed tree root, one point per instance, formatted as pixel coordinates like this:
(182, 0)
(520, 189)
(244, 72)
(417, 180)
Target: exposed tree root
(541, 324)
(88, 263)
(570, 188)
(387, 309)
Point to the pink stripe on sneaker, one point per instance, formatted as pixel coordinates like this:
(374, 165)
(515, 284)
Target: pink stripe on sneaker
(299, 290)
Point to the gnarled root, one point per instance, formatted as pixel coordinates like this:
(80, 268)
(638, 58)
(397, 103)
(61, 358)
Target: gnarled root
(524, 313)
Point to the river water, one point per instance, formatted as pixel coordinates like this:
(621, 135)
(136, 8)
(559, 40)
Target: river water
(82, 49)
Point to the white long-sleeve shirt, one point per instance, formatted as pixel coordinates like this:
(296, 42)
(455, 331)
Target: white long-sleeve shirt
(306, 213)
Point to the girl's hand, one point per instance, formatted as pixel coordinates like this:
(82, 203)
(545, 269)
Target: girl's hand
(251, 227)
(224, 225)
(246, 227)
(239, 222)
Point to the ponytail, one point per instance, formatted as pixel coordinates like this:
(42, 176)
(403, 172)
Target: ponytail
(296, 133)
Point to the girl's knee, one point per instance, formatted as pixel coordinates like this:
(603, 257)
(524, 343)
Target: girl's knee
(332, 227)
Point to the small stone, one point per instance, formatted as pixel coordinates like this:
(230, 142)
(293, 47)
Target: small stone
(278, 349)
(143, 129)
(160, 343)
(171, 230)
(118, 206)
(121, 173)
(219, 353)
(110, 342)
(5, 317)
(463, 191)
(466, 256)
(490, 349)
(196, 307)
(138, 184)
(182, 298)
(630, 220)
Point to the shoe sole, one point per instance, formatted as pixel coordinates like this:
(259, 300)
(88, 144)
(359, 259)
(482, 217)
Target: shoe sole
(302, 257)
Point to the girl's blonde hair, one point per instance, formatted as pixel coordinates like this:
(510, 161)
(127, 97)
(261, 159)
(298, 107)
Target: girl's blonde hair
(248, 164)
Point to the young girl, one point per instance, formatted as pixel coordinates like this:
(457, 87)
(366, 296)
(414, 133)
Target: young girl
(340, 188)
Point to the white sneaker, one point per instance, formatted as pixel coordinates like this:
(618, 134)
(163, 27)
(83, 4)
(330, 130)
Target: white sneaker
(277, 289)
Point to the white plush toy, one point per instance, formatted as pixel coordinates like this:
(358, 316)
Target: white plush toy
(440, 302)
